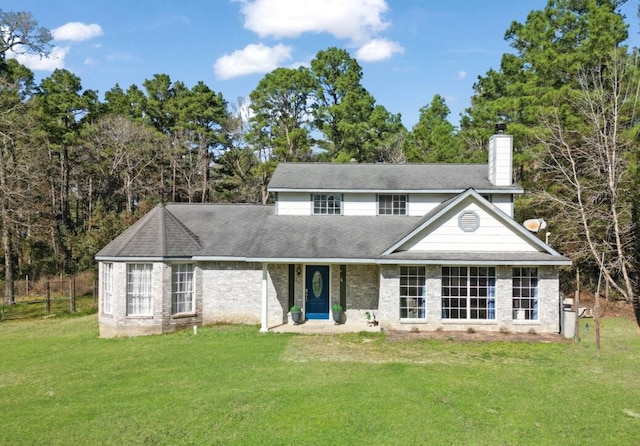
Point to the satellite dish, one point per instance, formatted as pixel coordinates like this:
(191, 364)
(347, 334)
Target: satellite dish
(535, 224)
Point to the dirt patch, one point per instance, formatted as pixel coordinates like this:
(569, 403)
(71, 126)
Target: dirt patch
(612, 308)
(399, 346)
(396, 336)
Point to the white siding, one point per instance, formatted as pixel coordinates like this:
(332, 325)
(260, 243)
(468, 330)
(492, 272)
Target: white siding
(504, 202)
(500, 160)
(299, 203)
(293, 203)
(490, 236)
(421, 204)
(359, 204)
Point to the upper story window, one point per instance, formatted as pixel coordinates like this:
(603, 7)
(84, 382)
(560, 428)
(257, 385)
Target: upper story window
(488, 197)
(392, 204)
(328, 204)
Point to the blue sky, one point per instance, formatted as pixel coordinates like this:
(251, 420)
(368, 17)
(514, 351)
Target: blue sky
(409, 50)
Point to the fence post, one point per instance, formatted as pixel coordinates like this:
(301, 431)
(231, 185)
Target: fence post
(72, 295)
(48, 308)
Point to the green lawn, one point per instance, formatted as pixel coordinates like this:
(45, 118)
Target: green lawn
(62, 385)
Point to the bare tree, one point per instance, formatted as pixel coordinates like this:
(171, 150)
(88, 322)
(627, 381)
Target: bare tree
(19, 172)
(588, 162)
(21, 34)
(391, 148)
(124, 151)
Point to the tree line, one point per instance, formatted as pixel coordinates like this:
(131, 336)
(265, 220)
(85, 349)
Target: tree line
(75, 170)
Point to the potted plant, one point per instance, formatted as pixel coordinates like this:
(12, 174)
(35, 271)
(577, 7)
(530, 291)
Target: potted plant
(296, 314)
(371, 319)
(337, 313)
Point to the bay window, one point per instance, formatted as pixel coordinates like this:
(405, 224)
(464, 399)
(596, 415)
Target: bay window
(107, 288)
(139, 297)
(182, 295)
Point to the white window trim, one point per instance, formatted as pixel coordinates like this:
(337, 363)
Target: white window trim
(423, 296)
(313, 201)
(192, 311)
(107, 288)
(536, 297)
(468, 297)
(149, 312)
(406, 203)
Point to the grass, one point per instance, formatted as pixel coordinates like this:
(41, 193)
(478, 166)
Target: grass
(35, 307)
(60, 384)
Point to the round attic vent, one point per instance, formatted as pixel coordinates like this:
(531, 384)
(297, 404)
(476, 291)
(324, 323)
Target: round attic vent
(468, 221)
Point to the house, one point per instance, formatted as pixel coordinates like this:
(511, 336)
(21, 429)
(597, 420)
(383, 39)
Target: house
(428, 247)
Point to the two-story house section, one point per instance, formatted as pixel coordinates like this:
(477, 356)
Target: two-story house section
(421, 246)
(392, 189)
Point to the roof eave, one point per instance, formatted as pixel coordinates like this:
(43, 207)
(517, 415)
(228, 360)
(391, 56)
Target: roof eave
(141, 259)
(456, 262)
(497, 190)
(310, 260)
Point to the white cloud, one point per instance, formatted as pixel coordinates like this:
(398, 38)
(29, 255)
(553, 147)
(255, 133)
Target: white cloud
(77, 31)
(356, 20)
(377, 50)
(462, 75)
(252, 59)
(37, 63)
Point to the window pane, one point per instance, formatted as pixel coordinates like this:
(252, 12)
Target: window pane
(327, 203)
(392, 204)
(139, 289)
(412, 292)
(468, 292)
(525, 293)
(182, 296)
(107, 287)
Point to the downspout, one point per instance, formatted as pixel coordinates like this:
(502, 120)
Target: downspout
(264, 324)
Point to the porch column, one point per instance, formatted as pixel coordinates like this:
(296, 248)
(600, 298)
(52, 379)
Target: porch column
(264, 323)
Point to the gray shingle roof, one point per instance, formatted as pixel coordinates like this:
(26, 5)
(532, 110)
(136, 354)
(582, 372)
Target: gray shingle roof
(383, 177)
(158, 234)
(255, 233)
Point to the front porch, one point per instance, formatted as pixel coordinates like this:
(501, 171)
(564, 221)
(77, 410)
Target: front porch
(325, 327)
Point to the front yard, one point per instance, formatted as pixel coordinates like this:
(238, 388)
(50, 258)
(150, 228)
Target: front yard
(61, 384)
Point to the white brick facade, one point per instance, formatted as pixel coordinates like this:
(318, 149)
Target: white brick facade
(231, 292)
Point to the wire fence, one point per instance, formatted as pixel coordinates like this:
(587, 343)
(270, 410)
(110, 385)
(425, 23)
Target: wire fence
(50, 296)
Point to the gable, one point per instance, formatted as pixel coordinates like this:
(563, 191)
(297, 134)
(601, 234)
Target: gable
(468, 228)
(468, 225)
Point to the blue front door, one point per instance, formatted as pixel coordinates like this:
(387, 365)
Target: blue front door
(317, 292)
